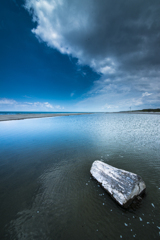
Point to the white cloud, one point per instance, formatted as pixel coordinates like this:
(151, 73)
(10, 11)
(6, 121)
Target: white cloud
(110, 37)
(43, 105)
(136, 102)
(109, 94)
(69, 27)
(7, 101)
(11, 104)
(146, 94)
(48, 105)
(59, 107)
(109, 107)
(106, 70)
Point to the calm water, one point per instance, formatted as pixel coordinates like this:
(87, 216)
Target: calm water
(46, 191)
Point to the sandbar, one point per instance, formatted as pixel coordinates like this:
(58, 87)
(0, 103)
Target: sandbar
(8, 117)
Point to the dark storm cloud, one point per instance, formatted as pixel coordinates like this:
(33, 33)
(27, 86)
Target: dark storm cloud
(119, 39)
(127, 31)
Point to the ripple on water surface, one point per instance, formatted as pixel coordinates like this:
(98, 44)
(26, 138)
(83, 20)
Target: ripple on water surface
(72, 205)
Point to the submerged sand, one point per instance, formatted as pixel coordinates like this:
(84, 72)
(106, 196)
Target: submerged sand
(8, 117)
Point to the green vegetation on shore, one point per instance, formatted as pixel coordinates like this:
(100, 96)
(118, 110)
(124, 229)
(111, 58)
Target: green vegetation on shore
(143, 110)
(148, 110)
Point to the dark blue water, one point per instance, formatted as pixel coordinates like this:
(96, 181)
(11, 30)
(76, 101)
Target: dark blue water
(46, 191)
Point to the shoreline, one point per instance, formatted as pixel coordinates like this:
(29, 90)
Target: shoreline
(139, 112)
(10, 117)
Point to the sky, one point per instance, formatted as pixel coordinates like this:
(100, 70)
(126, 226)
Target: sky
(79, 56)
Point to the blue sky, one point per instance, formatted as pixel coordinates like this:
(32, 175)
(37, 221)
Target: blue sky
(88, 55)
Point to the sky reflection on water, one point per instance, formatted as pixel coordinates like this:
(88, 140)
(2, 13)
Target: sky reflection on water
(45, 185)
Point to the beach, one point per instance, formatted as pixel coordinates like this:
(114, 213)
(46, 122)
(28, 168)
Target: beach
(8, 117)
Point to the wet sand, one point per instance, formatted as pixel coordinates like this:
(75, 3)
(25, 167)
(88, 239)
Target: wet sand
(8, 117)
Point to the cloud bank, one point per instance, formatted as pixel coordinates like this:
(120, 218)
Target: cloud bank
(118, 39)
(11, 105)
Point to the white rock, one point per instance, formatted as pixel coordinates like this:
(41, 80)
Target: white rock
(122, 185)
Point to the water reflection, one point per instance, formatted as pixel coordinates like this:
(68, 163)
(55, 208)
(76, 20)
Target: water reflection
(47, 191)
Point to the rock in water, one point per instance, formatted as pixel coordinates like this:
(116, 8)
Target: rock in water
(123, 186)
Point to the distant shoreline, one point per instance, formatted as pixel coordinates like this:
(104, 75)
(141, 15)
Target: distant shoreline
(9, 117)
(139, 112)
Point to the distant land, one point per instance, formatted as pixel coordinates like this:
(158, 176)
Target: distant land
(149, 110)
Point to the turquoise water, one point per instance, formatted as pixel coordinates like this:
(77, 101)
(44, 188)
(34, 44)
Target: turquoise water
(46, 191)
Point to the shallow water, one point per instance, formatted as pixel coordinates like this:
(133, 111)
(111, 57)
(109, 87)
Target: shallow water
(46, 191)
